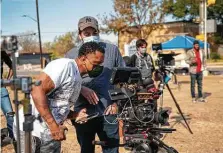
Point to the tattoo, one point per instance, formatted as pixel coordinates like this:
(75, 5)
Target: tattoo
(43, 105)
(56, 134)
(47, 116)
(50, 122)
(40, 99)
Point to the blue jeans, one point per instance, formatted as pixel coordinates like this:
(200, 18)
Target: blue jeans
(105, 131)
(196, 77)
(6, 107)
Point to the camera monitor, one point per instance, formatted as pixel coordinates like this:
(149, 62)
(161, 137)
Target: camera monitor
(156, 47)
(128, 75)
(167, 59)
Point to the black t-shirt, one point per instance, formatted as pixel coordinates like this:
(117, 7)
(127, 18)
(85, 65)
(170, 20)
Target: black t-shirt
(5, 59)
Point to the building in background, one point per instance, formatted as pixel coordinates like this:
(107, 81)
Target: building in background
(32, 58)
(158, 35)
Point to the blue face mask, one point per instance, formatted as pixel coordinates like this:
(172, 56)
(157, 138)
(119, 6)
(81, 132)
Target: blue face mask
(91, 38)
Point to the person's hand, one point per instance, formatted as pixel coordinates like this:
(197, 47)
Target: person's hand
(58, 132)
(111, 109)
(81, 116)
(193, 60)
(132, 87)
(156, 76)
(90, 95)
(10, 74)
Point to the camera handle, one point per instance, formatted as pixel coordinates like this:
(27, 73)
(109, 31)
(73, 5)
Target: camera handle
(162, 144)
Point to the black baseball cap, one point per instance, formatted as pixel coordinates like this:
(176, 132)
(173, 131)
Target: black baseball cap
(196, 42)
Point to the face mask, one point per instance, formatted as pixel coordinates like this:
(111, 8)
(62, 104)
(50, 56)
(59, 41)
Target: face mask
(96, 71)
(91, 38)
(142, 50)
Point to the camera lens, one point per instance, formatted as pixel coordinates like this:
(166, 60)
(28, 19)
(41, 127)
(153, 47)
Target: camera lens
(162, 117)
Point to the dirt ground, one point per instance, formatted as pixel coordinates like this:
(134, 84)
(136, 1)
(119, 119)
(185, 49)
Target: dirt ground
(205, 120)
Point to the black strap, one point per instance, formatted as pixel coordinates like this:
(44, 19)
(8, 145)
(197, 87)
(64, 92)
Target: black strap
(133, 60)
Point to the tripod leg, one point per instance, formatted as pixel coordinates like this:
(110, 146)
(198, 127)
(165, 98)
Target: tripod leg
(175, 79)
(28, 142)
(16, 104)
(178, 107)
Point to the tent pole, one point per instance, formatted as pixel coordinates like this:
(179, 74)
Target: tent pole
(205, 29)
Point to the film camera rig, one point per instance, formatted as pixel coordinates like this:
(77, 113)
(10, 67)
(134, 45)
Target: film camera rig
(137, 109)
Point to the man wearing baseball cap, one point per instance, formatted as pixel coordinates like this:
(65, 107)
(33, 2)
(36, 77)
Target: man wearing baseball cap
(197, 61)
(88, 31)
(94, 94)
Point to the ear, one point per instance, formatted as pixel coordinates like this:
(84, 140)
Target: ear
(80, 37)
(82, 58)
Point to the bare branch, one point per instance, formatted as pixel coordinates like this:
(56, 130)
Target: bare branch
(132, 15)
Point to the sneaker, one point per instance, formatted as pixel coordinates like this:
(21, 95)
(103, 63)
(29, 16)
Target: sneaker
(202, 100)
(194, 100)
(6, 141)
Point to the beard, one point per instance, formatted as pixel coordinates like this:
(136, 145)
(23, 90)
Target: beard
(197, 48)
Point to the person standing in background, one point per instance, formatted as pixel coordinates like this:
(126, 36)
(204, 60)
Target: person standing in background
(6, 105)
(197, 61)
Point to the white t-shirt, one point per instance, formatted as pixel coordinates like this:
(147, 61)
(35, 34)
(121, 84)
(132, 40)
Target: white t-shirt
(67, 80)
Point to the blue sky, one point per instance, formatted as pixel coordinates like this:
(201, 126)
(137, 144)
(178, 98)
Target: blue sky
(56, 16)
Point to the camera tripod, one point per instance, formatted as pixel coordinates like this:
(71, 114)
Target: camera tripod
(25, 85)
(163, 72)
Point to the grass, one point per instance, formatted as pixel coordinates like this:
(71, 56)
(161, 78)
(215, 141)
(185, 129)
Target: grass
(214, 60)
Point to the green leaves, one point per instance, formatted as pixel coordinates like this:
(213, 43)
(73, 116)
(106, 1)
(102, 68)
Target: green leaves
(189, 9)
(182, 9)
(216, 11)
(61, 44)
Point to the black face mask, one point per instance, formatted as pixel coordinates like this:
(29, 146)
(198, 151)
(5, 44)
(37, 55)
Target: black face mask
(96, 71)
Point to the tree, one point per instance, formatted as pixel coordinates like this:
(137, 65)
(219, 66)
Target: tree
(62, 44)
(28, 42)
(47, 46)
(182, 9)
(189, 9)
(216, 11)
(131, 15)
